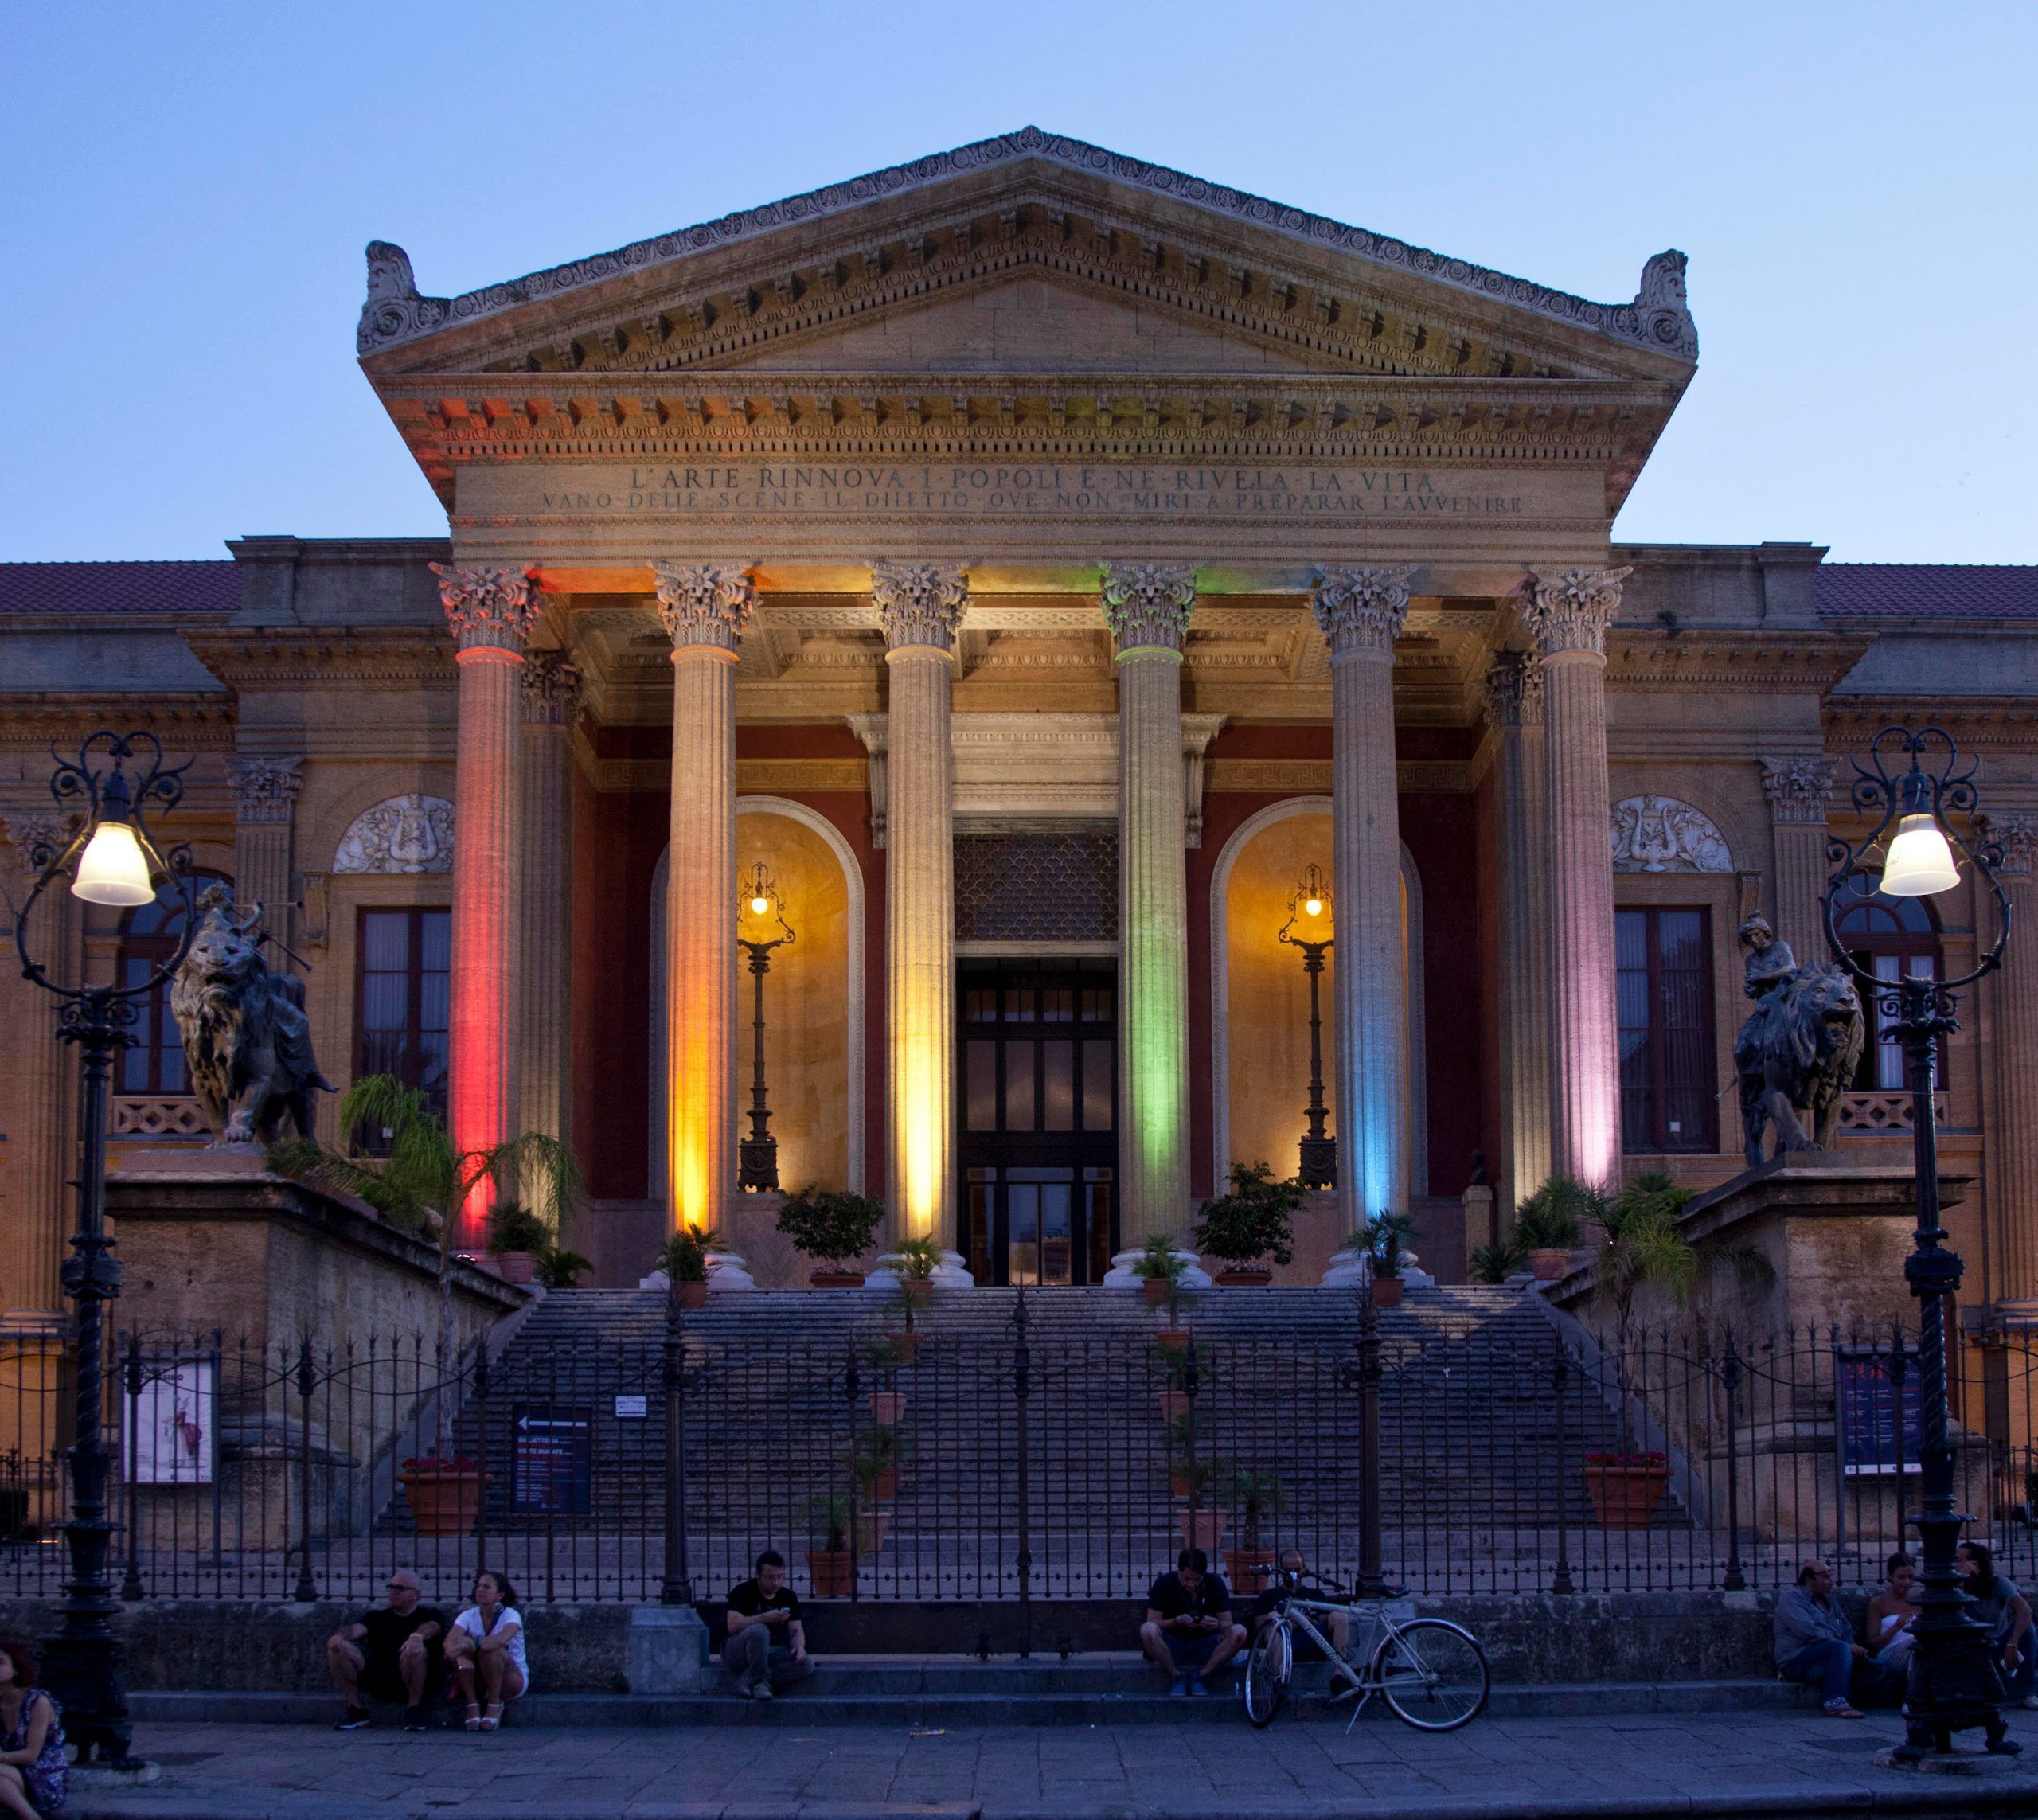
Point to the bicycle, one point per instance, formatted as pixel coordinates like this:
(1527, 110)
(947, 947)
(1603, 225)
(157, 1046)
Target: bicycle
(1432, 1673)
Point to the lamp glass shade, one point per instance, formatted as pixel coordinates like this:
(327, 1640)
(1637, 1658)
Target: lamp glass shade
(113, 870)
(1313, 907)
(759, 905)
(1920, 863)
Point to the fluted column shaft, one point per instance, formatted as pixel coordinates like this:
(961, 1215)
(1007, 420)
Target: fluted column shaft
(1361, 611)
(2013, 1114)
(1799, 790)
(490, 613)
(1147, 606)
(1514, 707)
(41, 1071)
(265, 805)
(552, 704)
(706, 607)
(921, 605)
(1569, 615)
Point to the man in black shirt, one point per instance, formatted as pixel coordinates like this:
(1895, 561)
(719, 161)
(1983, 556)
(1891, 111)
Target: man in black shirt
(1188, 1629)
(387, 1655)
(767, 1643)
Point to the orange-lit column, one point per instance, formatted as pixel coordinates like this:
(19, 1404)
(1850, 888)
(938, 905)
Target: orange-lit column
(491, 612)
(921, 604)
(705, 607)
(1569, 614)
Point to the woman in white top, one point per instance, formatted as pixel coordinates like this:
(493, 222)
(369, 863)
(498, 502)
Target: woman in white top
(486, 1643)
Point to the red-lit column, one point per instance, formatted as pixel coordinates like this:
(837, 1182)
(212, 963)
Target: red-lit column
(491, 612)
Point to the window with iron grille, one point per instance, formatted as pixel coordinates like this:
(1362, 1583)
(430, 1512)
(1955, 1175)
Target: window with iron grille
(1052, 885)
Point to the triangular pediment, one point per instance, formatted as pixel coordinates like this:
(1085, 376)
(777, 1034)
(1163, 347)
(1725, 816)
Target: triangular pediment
(1024, 254)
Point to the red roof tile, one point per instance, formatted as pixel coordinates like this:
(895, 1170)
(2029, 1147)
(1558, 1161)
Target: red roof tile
(172, 587)
(1927, 590)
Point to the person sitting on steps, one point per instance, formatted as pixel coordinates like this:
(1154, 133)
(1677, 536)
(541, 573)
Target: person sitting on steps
(387, 1655)
(1814, 1641)
(1189, 1631)
(1886, 1626)
(767, 1643)
(1335, 1624)
(486, 1647)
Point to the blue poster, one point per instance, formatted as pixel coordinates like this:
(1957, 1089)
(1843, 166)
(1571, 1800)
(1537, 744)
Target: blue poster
(1869, 1395)
(551, 1454)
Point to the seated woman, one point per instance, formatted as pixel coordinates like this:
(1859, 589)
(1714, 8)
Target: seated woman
(33, 1771)
(486, 1647)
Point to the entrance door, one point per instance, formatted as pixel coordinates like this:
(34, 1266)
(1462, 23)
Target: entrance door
(1039, 1098)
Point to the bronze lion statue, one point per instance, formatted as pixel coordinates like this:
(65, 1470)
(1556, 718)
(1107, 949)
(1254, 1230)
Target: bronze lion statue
(1798, 1050)
(247, 1041)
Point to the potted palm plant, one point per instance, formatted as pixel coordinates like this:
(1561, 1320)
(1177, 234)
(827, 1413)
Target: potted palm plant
(1251, 1222)
(1259, 1495)
(832, 1566)
(917, 1260)
(684, 1258)
(1159, 1264)
(516, 1237)
(832, 1227)
(1383, 1242)
(1202, 1524)
(558, 1267)
(1550, 1224)
(1495, 1264)
(879, 1450)
(1174, 1337)
(1173, 1395)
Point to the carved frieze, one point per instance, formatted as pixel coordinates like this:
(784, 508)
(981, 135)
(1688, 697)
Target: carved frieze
(1798, 789)
(410, 833)
(487, 608)
(1147, 604)
(1570, 611)
(704, 603)
(1660, 834)
(2017, 836)
(919, 603)
(265, 789)
(1359, 609)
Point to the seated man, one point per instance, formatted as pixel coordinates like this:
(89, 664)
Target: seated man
(767, 1643)
(387, 1655)
(1188, 1629)
(1814, 1642)
(1886, 1626)
(1337, 1624)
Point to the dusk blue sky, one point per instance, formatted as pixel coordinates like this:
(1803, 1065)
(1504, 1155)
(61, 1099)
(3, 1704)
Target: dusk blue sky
(189, 189)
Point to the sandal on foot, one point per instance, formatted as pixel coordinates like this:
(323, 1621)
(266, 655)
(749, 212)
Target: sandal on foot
(492, 1720)
(474, 1715)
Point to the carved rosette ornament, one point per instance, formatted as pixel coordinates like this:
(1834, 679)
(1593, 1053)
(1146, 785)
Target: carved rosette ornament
(1799, 790)
(705, 604)
(1570, 611)
(552, 684)
(265, 789)
(2017, 836)
(1359, 609)
(36, 834)
(1147, 604)
(920, 602)
(1513, 686)
(489, 609)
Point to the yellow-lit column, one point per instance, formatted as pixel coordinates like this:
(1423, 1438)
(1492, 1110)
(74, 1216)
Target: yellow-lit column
(1360, 611)
(36, 1076)
(705, 607)
(1569, 614)
(921, 604)
(1147, 606)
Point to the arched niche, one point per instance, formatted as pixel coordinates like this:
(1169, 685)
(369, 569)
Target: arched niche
(407, 834)
(1260, 996)
(814, 999)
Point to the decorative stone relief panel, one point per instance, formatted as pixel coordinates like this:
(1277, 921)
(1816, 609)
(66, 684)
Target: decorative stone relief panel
(1037, 887)
(1660, 834)
(405, 833)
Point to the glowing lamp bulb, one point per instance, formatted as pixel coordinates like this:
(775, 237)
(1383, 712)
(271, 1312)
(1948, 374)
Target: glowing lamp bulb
(114, 869)
(759, 905)
(1314, 906)
(1920, 863)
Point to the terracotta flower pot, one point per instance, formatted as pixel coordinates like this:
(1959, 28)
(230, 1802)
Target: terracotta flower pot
(692, 1294)
(832, 1570)
(917, 1290)
(1156, 1290)
(514, 1266)
(835, 1278)
(1548, 1264)
(884, 1487)
(1242, 1279)
(1178, 1482)
(887, 1406)
(1202, 1529)
(871, 1525)
(1239, 1565)
(1172, 1339)
(1626, 1488)
(1387, 1291)
(444, 1500)
(1173, 1403)
(906, 1344)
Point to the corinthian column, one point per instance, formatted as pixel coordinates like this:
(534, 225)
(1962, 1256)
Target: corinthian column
(1147, 607)
(39, 1071)
(2012, 1112)
(1799, 790)
(551, 705)
(1514, 710)
(265, 805)
(706, 607)
(921, 604)
(1360, 611)
(491, 612)
(1569, 615)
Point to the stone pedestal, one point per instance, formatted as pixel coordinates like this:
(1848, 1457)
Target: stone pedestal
(665, 1651)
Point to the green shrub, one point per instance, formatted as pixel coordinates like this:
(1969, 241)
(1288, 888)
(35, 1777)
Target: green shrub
(1254, 1220)
(829, 1225)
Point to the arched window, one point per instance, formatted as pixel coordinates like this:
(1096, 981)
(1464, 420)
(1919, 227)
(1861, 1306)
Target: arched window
(1893, 937)
(154, 1063)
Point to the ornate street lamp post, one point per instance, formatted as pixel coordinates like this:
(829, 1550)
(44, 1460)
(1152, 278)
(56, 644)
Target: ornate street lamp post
(1310, 918)
(1954, 1685)
(757, 1155)
(110, 859)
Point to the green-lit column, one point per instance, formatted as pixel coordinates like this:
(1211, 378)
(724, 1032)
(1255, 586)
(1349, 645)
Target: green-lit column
(1147, 606)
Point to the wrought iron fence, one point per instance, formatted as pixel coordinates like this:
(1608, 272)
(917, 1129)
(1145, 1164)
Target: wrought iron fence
(1049, 1458)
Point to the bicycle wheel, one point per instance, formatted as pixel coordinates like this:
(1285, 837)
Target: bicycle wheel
(1433, 1674)
(1266, 1666)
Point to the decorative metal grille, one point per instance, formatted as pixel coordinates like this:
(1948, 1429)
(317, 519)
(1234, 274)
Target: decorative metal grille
(1047, 886)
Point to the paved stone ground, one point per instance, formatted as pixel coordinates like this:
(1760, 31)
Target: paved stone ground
(1745, 1765)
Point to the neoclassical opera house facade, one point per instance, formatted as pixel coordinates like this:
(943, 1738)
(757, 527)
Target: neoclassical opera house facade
(1036, 561)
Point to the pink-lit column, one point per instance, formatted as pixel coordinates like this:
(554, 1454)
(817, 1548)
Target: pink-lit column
(705, 607)
(1569, 614)
(490, 611)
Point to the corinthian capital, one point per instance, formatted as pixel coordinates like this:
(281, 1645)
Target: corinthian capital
(2017, 836)
(1570, 611)
(704, 603)
(552, 689)
(487, 608)
(1147, 604)
(265, 789)
(1798, 789)
(920, 602)
(1514, 690)
(1359, 609)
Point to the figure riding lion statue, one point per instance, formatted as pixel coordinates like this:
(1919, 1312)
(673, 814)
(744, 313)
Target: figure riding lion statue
(247, 1041)
(1796, 1053)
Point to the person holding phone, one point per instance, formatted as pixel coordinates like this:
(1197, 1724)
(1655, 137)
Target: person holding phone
(1189, 1631)
(767, 1647)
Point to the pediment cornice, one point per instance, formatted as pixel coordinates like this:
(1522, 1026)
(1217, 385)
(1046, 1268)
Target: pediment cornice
(273, 657)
